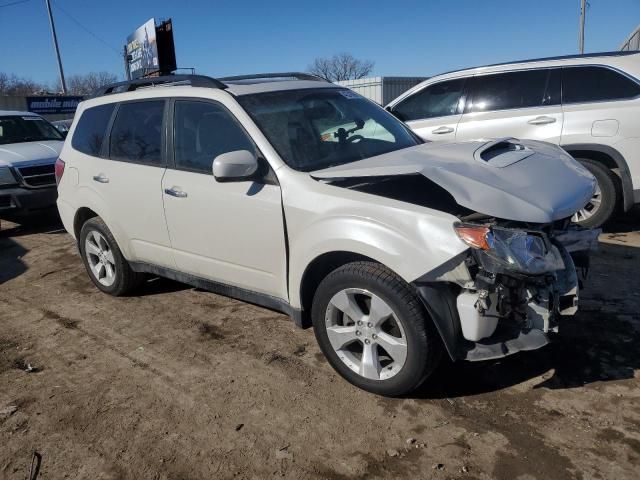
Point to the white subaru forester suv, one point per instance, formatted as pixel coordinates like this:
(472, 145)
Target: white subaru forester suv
(301, 196)
(587, 104)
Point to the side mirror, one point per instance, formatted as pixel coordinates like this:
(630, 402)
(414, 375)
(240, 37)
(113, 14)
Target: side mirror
(235, 166)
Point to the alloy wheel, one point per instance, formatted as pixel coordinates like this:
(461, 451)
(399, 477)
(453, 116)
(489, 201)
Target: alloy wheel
(366, 334)
(590, 208)
(100, 258)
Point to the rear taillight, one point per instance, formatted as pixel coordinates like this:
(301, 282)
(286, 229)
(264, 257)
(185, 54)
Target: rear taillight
(59, 170)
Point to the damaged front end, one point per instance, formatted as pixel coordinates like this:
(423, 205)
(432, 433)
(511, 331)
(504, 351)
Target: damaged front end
(522, 280)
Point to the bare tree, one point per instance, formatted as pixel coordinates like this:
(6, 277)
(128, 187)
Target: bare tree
(342, 66)
(89, 82)
(11, 84)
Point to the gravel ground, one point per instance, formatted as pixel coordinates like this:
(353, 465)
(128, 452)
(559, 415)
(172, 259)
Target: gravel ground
(178, 383)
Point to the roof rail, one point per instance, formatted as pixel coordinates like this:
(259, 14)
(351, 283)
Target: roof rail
(618, 53)
(166, 80)
(260, 76)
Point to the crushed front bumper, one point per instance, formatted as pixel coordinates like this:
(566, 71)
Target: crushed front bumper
(502, 311)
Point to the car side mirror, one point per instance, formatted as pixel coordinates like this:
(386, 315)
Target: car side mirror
(235, 166)
(394, 113)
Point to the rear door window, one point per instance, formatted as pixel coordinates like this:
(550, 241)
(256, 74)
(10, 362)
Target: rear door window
(91, 129)
(136, 135)
(596, 84)
(201, 132)
(437, 100)
(506, 91)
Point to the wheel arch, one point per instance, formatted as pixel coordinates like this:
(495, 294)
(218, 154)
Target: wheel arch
(609, 157)
(316, 271)
(80, 218)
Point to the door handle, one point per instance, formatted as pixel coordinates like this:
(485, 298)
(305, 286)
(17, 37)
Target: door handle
(441, 130)
(175, 192)
(101, 178)
(541, 120)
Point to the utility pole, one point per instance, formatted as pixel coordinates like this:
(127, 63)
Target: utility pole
(55, 45)
(583, 14)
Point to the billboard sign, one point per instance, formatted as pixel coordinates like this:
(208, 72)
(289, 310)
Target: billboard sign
(142, 50)
(53, 105)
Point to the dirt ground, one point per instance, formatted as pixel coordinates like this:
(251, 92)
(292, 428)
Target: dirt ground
(178, 383)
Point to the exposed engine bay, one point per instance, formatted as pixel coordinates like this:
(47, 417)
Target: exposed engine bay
(524, 279)
(514, 283)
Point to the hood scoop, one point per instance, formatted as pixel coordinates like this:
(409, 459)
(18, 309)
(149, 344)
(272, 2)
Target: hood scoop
(502, 152)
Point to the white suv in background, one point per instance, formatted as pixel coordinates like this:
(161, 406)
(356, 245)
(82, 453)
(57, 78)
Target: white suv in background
(306, 198)
(587, 104)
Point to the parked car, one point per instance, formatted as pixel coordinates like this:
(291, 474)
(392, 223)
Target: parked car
(63, 125)
(29, 148)
(306, 198)
(587, 104)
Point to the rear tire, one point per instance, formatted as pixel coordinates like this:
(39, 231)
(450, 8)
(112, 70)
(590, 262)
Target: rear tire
(603, 205)
(385, 344)
(105, 264)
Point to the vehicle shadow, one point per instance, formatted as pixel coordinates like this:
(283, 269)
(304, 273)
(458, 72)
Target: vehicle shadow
(624, 222)
(12, 252)
(159, 286)
(599, 344)
(48, 222)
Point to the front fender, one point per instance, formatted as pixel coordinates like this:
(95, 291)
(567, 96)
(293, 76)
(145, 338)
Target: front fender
(408, 252)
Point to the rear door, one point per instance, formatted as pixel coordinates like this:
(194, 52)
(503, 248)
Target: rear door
(130, 177)
(433, 112)
(523, 104)
(229, 232)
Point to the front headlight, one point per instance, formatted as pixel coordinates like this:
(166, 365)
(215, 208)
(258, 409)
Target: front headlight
(6, 177)
(515, 250)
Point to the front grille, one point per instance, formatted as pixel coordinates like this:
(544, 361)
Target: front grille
(38, 175)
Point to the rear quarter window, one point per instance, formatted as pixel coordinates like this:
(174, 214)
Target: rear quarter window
(91, 129)
(596, 84)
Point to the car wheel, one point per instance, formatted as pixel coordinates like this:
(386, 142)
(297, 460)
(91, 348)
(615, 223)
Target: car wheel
(374, 330)
(105, 264)
(603, 203)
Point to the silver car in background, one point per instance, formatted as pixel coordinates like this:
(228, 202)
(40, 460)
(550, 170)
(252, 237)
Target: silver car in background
(29, 148)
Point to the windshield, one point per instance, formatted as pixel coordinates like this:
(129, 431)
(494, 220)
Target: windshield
(26, 128)
(320, 128)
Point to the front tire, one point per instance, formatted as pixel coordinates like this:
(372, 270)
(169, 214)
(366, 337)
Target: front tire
(105, 264)
(603, 204)
(373, 329)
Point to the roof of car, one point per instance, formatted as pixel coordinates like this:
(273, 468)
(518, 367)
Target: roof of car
(243, 88)
(545, 59)
(237, 85)
(13, 113)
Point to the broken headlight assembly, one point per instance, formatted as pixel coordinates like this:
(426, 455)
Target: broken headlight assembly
(511, 250)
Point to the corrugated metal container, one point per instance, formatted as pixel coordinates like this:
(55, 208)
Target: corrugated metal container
(381, 89)
(633, 41)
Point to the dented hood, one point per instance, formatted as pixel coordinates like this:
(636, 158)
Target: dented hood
(521, 180)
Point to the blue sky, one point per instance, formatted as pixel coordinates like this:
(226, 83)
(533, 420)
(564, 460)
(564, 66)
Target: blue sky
(223, 38)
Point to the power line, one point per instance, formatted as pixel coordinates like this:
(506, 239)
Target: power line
(77, 22)
(18, 2)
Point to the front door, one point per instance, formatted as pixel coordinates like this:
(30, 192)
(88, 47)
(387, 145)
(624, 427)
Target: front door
(433, 112)
(229, 232)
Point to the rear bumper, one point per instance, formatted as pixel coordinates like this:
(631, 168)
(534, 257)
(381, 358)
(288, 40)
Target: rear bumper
(20, 202)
